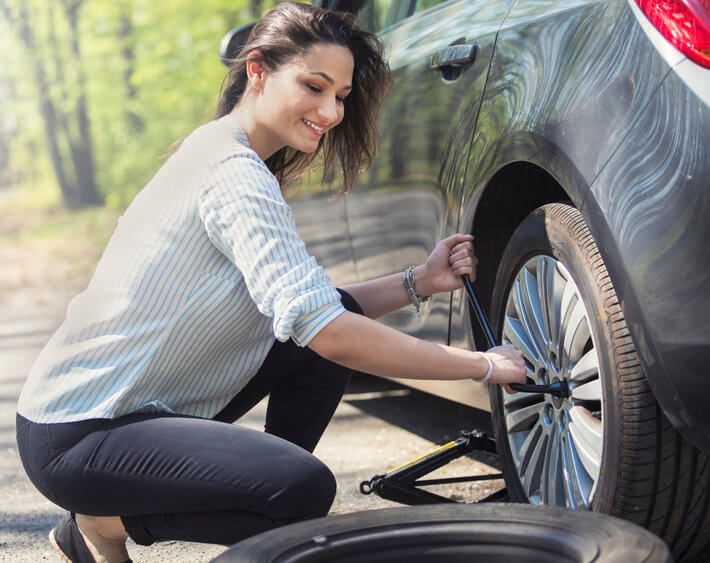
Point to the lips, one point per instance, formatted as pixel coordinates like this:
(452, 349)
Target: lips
(317, 130)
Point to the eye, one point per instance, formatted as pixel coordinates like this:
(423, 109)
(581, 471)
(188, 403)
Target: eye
(317, 90)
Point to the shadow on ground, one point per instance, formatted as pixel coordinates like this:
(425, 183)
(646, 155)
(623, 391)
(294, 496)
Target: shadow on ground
(432, 418)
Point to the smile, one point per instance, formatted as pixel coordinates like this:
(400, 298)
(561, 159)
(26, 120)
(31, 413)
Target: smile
(316, 129)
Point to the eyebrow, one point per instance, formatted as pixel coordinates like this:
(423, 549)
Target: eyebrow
(329, 79)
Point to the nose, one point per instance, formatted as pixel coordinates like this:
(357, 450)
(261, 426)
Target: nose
(329, 111)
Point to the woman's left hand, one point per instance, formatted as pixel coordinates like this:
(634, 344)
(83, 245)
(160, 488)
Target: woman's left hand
(449, 261)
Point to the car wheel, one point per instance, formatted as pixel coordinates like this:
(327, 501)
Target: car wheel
(454, 533)
(607, 447)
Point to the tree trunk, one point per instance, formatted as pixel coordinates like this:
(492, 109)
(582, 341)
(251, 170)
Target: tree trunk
(70, 195)
(78, 186)
(82, 148)
(255, 7)
(125, 36)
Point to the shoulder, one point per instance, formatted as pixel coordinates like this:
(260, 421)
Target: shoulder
(219, 143)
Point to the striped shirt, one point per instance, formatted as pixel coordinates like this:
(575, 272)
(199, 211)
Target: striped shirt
(204, 270)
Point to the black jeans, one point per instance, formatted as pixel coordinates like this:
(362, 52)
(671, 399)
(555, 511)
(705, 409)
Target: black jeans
(176, 477)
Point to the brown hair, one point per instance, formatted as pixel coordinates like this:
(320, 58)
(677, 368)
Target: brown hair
(288, 31)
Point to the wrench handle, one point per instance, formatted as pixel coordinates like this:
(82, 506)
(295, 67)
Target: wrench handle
(488, 329)
(478, 311)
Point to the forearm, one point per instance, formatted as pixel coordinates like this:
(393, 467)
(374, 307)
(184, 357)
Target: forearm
(371, 347)
(386, 294)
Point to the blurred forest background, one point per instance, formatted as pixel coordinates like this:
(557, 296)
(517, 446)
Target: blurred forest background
(93, 93)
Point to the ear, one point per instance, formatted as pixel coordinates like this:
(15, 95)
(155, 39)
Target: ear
(256, 70)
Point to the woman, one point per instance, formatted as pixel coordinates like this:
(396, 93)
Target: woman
(206, 300)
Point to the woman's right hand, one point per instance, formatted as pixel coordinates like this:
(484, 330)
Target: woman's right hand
(508, 366)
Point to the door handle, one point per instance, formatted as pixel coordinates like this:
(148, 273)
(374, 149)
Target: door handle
(456, 56)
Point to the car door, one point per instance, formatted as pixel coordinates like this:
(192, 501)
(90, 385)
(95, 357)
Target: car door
(439, 52)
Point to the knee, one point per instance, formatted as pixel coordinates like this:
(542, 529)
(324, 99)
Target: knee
(322, 487)
(309, 493)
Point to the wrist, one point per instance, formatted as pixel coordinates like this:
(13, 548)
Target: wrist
(485, 368)
(421, 280)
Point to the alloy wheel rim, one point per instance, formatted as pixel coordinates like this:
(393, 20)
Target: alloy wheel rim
(556, 444)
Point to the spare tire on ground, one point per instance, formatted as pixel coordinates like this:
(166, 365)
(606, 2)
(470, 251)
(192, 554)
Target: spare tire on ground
(455, 533)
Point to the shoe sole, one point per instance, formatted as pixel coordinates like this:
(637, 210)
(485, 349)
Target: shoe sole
(56, 547)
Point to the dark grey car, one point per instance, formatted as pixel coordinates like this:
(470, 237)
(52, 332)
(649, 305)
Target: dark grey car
(571, 138)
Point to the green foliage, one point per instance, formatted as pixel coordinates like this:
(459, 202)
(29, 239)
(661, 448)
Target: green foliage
(152, 75)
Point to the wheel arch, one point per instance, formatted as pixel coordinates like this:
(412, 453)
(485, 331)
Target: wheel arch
(509, 195)
(512, 193)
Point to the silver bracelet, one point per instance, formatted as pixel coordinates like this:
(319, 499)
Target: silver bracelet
(411, 288)
(490, 370)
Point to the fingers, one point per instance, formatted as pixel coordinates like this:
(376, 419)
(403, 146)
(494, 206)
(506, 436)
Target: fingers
(462, 249)
(512, 365)
(463, 256)
(463, 260)
(470, 272)
(519, 361)
(453, 240)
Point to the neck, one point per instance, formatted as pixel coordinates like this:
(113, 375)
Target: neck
(260, 140)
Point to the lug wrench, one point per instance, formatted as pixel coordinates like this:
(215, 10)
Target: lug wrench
(557, 389)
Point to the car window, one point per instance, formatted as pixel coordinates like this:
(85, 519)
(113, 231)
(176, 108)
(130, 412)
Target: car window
(372, 15)
(422, 5)
(377, 15)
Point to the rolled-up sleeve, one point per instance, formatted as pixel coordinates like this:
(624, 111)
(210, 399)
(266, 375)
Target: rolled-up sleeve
(247, 218)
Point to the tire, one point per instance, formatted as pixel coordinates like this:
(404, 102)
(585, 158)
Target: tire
(647, 473)
(454, 533)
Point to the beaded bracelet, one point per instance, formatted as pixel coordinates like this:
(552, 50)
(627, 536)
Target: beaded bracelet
(411, 288)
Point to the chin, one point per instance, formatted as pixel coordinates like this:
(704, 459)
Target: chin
(305, 147)
(308, 146)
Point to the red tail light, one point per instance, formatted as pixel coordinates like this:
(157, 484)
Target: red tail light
(685, 23)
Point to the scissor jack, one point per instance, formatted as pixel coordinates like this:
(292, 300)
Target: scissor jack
(402, 483)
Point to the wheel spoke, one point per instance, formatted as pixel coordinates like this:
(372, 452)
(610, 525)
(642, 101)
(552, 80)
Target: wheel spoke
(514, 333)
(574, 498)
(518, 400)
(551, 490)
(589, 391)
(569, 299)
(524, 316)
(534, 314)
(529, 455)
(532, 475)
(523, 418)
(587, 435)
(555, 286)
(586, 368)
(543, 292)
(575, 333)
(530, 441)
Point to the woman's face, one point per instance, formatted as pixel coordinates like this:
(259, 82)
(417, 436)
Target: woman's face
(303, 99)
